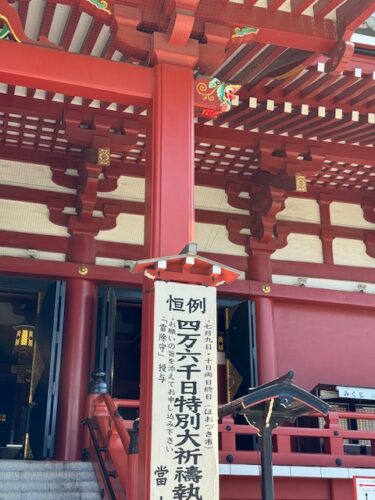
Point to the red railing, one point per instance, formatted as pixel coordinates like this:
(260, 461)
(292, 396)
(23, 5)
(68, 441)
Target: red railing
(330, 441)
(113, 434)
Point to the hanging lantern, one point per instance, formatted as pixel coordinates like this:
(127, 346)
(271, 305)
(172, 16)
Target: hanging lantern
(24, 338)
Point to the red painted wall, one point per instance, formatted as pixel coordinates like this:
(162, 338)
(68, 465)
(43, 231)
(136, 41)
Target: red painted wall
(332, 345)
(248, 488)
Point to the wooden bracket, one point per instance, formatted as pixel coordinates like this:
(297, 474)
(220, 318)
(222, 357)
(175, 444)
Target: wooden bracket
(100, 133)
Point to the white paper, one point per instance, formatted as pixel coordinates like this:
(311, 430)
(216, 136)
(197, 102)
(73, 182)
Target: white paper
(184, 455)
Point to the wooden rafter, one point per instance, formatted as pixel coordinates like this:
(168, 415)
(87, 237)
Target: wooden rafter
(351, 14)
(275, 27)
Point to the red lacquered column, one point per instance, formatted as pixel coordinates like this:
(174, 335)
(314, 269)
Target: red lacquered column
(265, 335)
(75, 367)
(169, 216)
(259, 269)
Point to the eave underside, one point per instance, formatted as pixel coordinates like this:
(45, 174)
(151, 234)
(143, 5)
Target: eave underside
(290, 102)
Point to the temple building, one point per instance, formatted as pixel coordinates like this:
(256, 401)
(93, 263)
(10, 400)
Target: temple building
(187, 211)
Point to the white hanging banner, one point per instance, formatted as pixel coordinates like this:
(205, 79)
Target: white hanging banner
(184, 454)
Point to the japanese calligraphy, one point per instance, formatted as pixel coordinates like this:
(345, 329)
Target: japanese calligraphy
(184, 458)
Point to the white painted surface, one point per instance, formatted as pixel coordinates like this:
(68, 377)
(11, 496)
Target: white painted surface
(214, 199)
(365, 39)
(296, 471)
(348, 215)
(325, 284)
(105, 261)
(128, 188)
(34, 18)
(301, 248)
(348, 252)
(301, 210)
(214, 238)
(59, 20)
(31, 254)
(28, 218)
(286, 6)
(80, 33)
(129, 229)
(133, 189)
(101, 41)
(34, 176)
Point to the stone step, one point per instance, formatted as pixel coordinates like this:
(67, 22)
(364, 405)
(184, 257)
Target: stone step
(47, 480)
(34, 486)
(33, 465)
(48, 475)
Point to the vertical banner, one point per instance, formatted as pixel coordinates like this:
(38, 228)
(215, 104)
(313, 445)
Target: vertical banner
(184, 455)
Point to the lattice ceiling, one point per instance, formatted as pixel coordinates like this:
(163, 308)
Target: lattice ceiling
(308, 103)
(348, 176)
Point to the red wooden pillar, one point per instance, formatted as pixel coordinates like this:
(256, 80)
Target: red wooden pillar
(75, 368)
(259, 269)
(169, 216)
(265, 335)
(82, 247)
(169, 221)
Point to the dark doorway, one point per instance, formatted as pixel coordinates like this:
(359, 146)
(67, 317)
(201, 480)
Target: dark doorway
(127, 351)
(118, 345)
(241, 361)
(31, 322)
(18, 314)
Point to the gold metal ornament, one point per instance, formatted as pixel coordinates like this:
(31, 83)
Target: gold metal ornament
(301, 184)
(83, 270)
(104, 157)
(220, 343)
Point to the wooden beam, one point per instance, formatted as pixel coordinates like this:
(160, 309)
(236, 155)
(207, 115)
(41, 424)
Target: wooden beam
(298, 6)
(324, 7)
(17, 266)
(60, 244)
(74, 74)
(327, 271)
(275, 27)
(353, 13)
(108, 275)
(274, 4)
(245, 139)
(29, 106)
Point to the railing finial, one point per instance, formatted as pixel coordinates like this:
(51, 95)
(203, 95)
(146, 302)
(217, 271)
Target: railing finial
(98, 385)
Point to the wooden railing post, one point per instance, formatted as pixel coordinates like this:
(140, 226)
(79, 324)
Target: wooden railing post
(97, 386)
(334, 444)
(228, 437)
(132, 492)
(283, 442)
(372, 441)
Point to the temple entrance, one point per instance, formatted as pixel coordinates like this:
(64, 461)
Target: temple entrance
(118, 346)
(127, 351)
(118, 343)
(31, 317)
